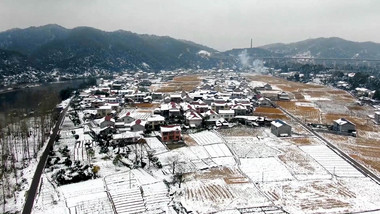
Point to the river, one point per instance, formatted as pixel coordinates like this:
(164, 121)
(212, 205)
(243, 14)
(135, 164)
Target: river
(27, 100)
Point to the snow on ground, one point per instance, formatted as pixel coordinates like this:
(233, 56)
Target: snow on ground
(137, 191)
(86, 197)
(345, 195)
(255, 84)
(211, 195)
(367, 193)
(156, 145)
(218, 150)
(331, 107)
(49, 200)
(156, 196)
(368, 134)
(305, 104)
(261, 170)
(204, 53)
(302, 166)
(206, 137)
(331, 161)
(199, 157)
(265, 169)
(250, 147)
(25, 169)
(309, 98)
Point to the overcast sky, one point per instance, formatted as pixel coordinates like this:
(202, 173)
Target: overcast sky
(220, 24)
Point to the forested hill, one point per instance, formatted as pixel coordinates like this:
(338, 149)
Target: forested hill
(76, 50)
(52, 48)
(332, 47)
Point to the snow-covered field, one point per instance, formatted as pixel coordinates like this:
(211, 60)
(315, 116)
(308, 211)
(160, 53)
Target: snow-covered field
(199, 157)
(303, 166)
(265, 169)
(331, 161)
(156, 145)
(250, 147)
(347, 195)
(136, 191)
(310, 98)
(86, 197)
(207, 137)
(213, 195)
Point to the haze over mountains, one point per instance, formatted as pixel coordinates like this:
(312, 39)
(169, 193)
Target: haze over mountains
(52, 47)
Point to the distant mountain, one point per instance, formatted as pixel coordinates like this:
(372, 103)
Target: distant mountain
(28, 40)
(55, 49)
(327, 48)
(81, 49)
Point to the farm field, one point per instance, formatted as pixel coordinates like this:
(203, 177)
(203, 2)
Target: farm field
(301, 166)
(250, 147)
(180, 83)
(271, 113)
(265, 169)
(220, 189)
(321, 104)
(327, 196)
(86, 197)
(303, 110)
(136, 191)
(331, 161)
(241, 130)
(206, 137)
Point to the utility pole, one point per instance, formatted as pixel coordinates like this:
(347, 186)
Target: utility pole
(130, 185)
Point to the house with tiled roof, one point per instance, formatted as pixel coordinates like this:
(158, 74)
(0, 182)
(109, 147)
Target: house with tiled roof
(193, 119)
(106, 122)
(138, 125)
(210, 117)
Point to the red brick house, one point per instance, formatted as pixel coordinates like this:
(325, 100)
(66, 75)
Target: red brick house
(170, 133)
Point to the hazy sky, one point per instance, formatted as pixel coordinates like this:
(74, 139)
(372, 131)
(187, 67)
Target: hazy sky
(220, 24)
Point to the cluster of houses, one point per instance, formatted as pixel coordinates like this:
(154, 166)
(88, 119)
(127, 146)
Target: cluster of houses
(113, 107)
(118, 110)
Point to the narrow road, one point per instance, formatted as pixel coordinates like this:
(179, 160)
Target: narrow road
(28, 206)
(366, 172)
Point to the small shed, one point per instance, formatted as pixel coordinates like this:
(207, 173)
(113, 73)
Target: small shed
(280, 128)
(344, 125)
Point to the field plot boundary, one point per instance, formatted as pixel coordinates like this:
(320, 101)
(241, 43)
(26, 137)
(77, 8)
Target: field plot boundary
(332, 162)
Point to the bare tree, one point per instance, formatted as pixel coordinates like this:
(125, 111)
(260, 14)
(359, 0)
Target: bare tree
(3, 164)
(142, 143)
(178, 169)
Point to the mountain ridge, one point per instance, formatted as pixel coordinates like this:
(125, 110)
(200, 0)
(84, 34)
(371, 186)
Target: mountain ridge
(84, 49)
(327, 47)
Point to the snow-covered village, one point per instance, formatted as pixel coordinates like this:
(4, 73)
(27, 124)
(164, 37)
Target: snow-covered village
(209, 141)
(189, 107)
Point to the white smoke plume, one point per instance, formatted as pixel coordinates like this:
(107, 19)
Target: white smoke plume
(244, 59)
(257, 65)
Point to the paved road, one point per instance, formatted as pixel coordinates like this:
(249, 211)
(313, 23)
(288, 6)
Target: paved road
(28, 206)
(335, 149)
